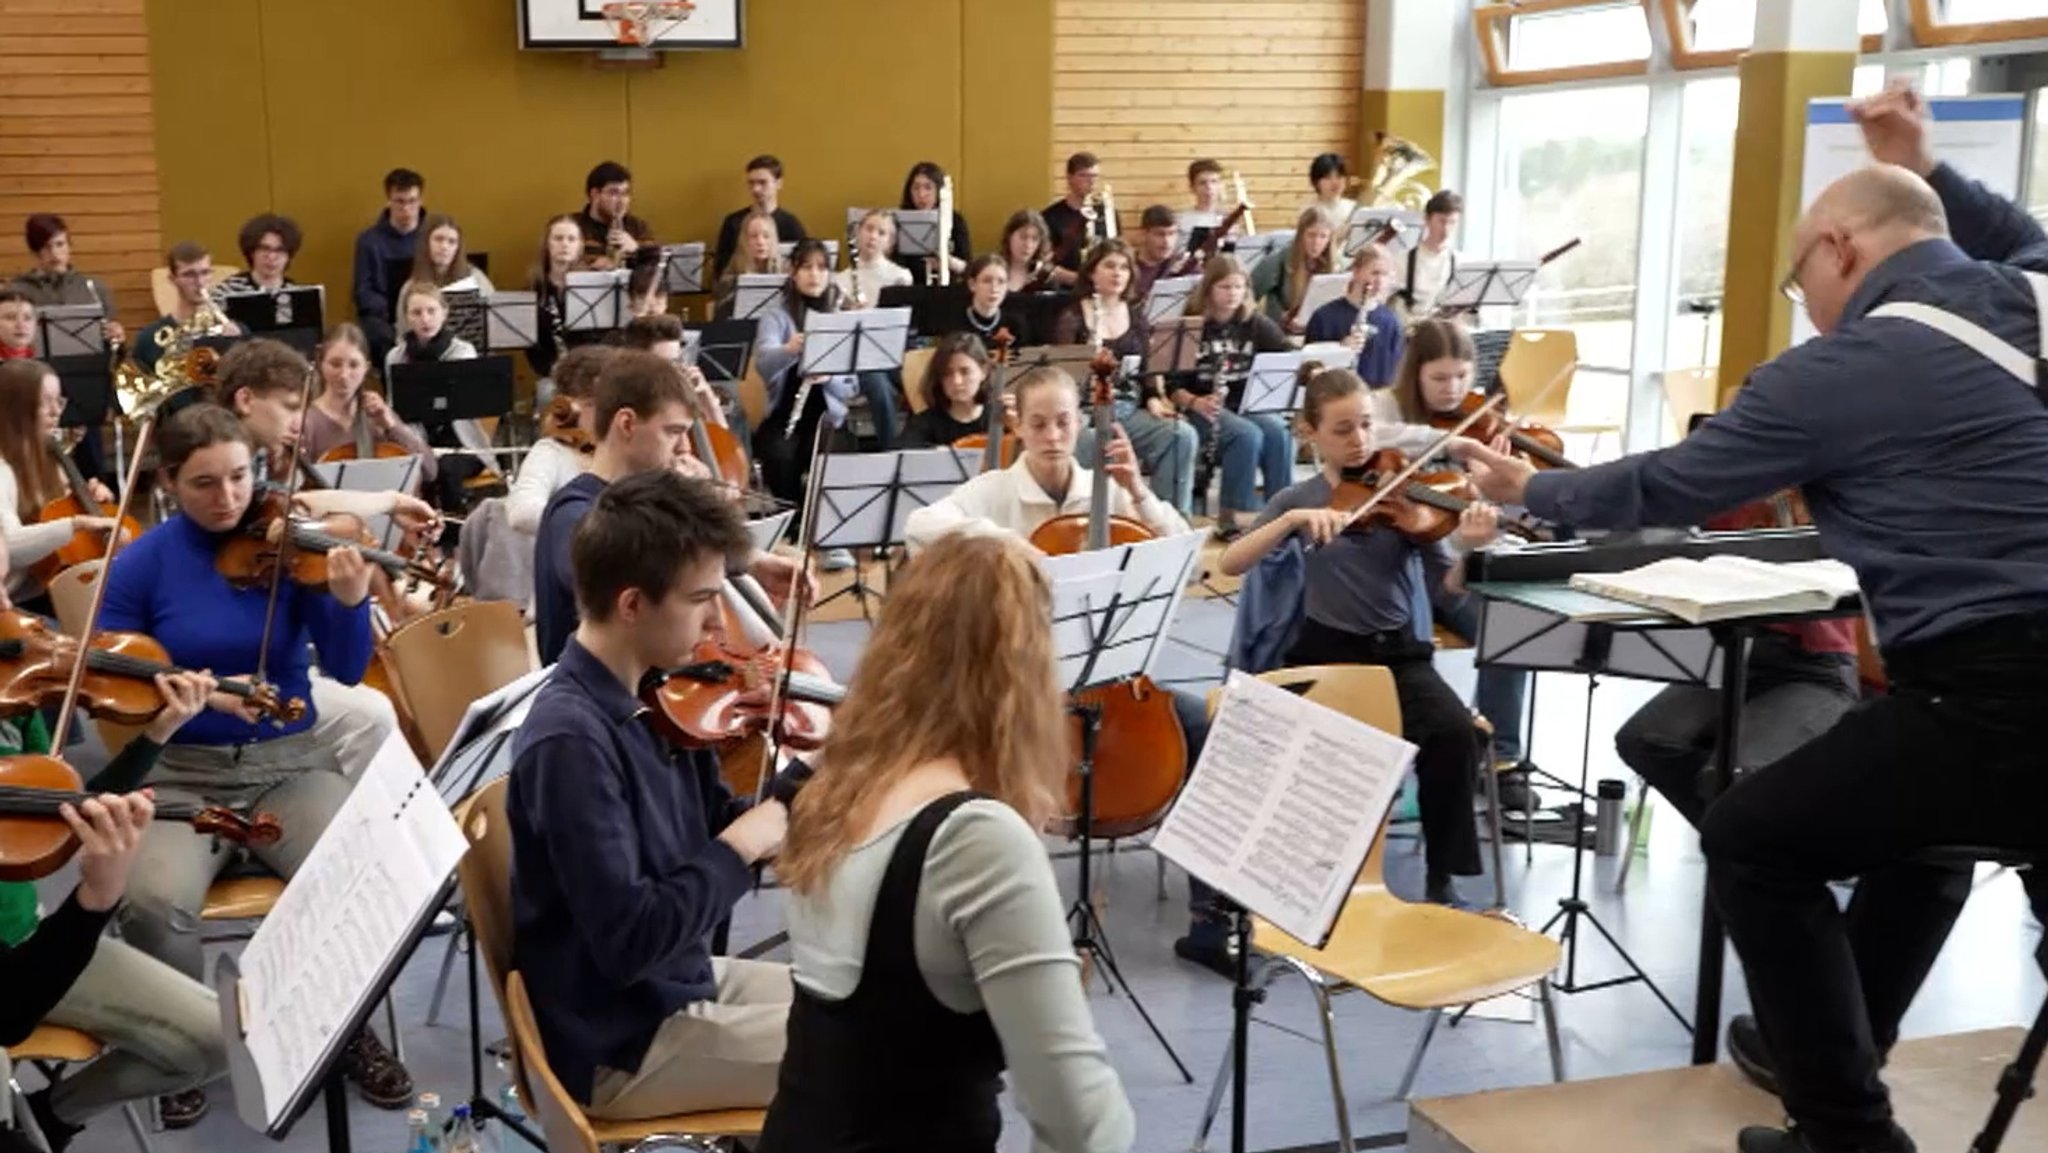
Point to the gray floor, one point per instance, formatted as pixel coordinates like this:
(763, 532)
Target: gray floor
(1986, 977)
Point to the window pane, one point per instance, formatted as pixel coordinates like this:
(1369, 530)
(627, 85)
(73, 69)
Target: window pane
(1583, 36)
(1983, 11)
(1719, 24)
(1950, 77)
(1869, 80)
(1706, 171)
(1572, 167)
(1872, 19)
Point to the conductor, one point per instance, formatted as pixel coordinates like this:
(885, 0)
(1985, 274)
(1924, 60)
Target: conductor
(1915, 427)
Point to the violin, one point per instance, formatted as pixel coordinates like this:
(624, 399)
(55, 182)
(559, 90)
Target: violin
(35, 841)
(120, 672)
(1141, 752)
(715, 445)
(1425, 508)
(559, 424)
(998, 443)
(722, 696)
(1538, 445)
(85, 545)
(249, 558)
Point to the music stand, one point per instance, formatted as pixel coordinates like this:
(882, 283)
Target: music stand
(327, 953)
(296, 315)
(755, 292)
(1076, 360)
(446, 390)
(1322, 289)
(724, 349)
(917, 232)
(71, 330)
(849, 343)
(1368, 223)
(683, 268)
(1487, 283)
(1174, 349)
(1168, 299)
(593, 301)
(865, 499)
(1110, 612)
(1249, 250)
(511, 320)
(789, 246)
(936, 310)
(468, 317)
(1273, 385)
(88, 387)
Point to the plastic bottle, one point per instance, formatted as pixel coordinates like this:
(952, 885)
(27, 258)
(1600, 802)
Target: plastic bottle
(416, 1137)
(437, 1120)
(462, 1134)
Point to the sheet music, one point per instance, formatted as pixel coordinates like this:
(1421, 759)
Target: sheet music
(1112, 607)
(70, 330)
(592, 301)
(1322, 289)
(682, 270)
(755, 292)
(1284, 804)
(917, 231)
(1476, 285)
(863, 340)
(1168, 299)
(867, 497)
(511, 319)
(318, 956)
(1272, 385)
(474, 756)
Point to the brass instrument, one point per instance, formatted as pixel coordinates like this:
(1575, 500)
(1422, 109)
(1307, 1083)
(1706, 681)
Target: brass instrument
(945, 256)
(1394, 184)
(181, 364)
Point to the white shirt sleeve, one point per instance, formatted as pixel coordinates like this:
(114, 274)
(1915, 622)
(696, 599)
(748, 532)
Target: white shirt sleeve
(548, 466)
(984, 506)
(27, 543)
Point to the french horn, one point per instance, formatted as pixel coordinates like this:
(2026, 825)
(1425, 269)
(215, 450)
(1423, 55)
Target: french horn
(1397, 164)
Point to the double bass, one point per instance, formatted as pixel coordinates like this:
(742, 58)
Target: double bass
(1140, 751)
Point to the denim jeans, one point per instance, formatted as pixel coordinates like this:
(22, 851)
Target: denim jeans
(161, 1028)
(1166, 450)
(1501, 693)
(880, 390)
(296, 778)
(1239, 445)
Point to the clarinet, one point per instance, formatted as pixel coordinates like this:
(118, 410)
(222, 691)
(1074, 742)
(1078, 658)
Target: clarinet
(803, 387)
(1212, 446)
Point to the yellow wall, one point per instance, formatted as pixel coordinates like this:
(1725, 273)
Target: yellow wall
(302, 105)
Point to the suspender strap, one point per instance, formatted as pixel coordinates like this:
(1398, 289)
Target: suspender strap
(2031, 371)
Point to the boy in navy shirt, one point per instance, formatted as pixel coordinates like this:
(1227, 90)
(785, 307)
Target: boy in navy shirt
(623, 860)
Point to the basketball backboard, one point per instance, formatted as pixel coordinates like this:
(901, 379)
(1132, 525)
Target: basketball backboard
(581, 24)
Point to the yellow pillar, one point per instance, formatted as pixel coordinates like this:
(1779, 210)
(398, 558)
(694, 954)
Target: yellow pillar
(1407, 66)
(1804, 49)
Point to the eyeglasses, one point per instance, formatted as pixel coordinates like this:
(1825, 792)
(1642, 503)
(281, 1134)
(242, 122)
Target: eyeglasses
(1790, 287)
(273, 249)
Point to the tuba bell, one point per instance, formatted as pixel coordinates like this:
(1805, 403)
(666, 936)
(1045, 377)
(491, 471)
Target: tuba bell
(1398, 162)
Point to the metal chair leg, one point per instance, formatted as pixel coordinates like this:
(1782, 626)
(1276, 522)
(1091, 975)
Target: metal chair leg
(447, 967)
(1338, 1101)
(1550, 1033)
(1493, 817)
(137, 1127)
(1162, 875)
(1436, 1016)
(1635, 834)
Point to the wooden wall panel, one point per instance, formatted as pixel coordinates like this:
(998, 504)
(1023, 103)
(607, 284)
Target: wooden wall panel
(1260, 86)
(78, 139)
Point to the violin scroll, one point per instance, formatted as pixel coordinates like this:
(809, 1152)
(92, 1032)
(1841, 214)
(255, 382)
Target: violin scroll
(228, 825)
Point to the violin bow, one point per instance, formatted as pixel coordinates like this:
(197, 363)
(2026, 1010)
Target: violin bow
(144, 438)
(284, 543)
(793, 613)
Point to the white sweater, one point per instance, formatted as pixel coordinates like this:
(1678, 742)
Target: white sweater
(549, 465)
(26, 543)
(1010, 501)
(874, 277)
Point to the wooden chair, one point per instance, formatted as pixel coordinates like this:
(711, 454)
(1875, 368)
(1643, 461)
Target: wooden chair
(486, 872)
(1425, 957)
(1690, 392)
(164, 294)
(915, 364)
(1535, 357)
(53, 1047)
(71, 596)
(445, 660)
(752, 392)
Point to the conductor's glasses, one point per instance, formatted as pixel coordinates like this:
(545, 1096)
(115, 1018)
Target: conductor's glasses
(1790, 287)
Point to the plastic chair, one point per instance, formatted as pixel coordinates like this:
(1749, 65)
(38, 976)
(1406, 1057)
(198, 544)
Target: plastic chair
(916, 363)
(486, 872)
(1690, 392)
(164, 294)
(71, 596)
(52, 1047)
(1535, 357)
(445, 660)
(1423, 957)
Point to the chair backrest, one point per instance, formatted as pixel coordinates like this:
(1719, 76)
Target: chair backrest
(71, 597)
(486, 873)
(1364, 693)
(1535, 357)
(561, 1120)
(1688, 392)
(915, 363)
(447, 659)
(752, 392)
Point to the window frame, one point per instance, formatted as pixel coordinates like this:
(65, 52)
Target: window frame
(1677, 18)
(1932, 30)
(1491, 22)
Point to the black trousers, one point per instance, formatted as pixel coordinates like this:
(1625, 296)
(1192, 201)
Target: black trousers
(1948, 758)
(1434, 719)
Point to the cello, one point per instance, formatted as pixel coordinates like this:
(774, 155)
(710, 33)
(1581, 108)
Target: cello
(85, 545)
(998, 442)
(363, 445)
(1140, 753)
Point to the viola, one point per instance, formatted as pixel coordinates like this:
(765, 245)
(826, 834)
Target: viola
(250, 557)
(998, 443)
(1535, 443)
(120, 672)
(559, 424)
(35, 841)
(1426, 506)
(1141, 752)
(85, 545)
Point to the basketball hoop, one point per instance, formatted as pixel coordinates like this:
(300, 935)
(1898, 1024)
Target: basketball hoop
(642, 23)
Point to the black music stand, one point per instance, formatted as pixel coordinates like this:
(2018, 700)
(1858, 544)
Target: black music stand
(1485, 284)
(864, 500)
(88, 388)
(65, 331)
(1273, 385)
(1111, 609)
(296, 315)
(935, 310)
(1369, 224)
(443, 390)
(1174, 349)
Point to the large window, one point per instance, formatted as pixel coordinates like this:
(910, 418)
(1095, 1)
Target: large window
(1988, 11)
(1571, 165)
(1706, 172)
(1949, 77)
(1722, 24)
(1573, 37)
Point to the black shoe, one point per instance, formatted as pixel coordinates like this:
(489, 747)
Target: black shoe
(1439, 889)
(1516, 795)
(1216, 956)
(55, 1131)
(378, 1075)
(182, 1110)
(1765, 1139)
(1747, 1051)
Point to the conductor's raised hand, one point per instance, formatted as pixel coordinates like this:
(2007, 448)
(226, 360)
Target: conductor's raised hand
(348, 575)
(1122, 463)
(1895, 127)
(1499, 478)
(109, 831)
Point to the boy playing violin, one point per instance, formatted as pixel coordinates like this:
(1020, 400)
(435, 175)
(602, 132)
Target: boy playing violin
(625, 861)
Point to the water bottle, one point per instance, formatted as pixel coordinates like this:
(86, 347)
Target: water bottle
(417, 1139)
(462, 1134)
(1607, 817)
